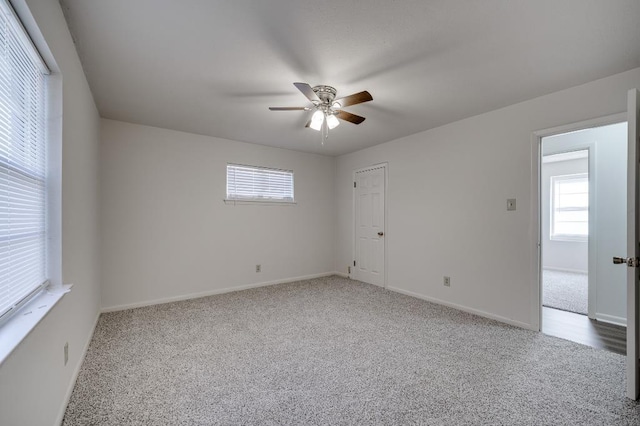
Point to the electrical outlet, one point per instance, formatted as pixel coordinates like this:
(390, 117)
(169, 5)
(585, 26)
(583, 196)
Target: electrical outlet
(66, 353)
(258, 268)
(349, 269)
(447, 281)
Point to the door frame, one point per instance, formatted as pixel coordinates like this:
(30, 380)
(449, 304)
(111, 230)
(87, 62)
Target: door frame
(385, 166)
(633, 274)
(536, 205)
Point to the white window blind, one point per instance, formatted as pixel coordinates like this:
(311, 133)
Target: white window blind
(22, 166)
(252, 183)
(570, 207)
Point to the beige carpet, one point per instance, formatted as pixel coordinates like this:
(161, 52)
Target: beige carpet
(567, 291)
(332, 351)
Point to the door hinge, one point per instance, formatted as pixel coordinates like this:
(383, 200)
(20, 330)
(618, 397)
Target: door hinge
(354, 263)
(354, 184)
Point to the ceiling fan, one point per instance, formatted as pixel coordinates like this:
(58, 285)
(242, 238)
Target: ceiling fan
(327, 108)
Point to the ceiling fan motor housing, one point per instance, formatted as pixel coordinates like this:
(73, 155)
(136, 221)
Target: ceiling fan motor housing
(326, 94)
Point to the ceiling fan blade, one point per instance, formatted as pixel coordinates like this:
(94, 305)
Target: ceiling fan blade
(347, 116)
(356, 98)
(289, 108)
(307, 91)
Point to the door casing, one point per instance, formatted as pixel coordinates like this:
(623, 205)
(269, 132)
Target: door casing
(536, 203)
(633, 240)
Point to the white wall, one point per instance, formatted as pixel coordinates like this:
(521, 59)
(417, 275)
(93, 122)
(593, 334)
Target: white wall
(167, 233)
(561, 255)
(34, 383)
(447, 201)
(608, 145)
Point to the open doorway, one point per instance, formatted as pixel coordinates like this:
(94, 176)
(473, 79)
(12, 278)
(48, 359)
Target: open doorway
(583, 220)
(565, 228)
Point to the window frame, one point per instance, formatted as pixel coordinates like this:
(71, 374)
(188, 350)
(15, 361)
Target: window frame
(233, 198)
(554, 182)
(27, 318)
(26, 49)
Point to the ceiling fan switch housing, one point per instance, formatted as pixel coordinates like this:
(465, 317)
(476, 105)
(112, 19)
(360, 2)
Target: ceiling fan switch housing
(326, 94)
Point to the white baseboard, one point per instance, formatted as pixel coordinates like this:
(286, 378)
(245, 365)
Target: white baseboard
(611, 319)
(464, 308)
(574, 271)
(76, 371)
(212, 292)
(341, 274)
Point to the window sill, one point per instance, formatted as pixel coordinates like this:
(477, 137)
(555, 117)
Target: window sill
(268, 202)
(569, 238)
(26, 319)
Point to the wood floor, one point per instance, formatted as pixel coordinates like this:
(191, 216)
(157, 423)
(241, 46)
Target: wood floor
(581, 329)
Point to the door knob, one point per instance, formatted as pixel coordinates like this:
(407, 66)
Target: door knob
(380, 234)
(630, 261)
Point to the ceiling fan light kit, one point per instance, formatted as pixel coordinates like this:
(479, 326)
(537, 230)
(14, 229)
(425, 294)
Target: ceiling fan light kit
(328, 110)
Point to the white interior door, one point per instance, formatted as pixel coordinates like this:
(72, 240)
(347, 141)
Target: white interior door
(369, 191)
(633, 248)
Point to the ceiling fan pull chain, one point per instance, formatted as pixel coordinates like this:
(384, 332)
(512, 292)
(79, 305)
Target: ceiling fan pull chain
(325, 131)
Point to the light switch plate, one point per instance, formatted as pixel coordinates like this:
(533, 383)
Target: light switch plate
(511, 204)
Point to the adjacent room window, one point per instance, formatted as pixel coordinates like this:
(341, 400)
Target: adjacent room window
(251, 183)
(570, 207)
(23, 185)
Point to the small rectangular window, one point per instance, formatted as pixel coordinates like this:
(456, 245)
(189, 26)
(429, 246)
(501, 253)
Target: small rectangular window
(251, 183)
(570, 207)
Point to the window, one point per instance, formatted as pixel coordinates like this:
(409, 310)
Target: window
(23, 270)
(250, 183)
(570, 207)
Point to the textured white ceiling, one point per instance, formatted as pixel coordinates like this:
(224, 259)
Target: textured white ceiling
(214, 67)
